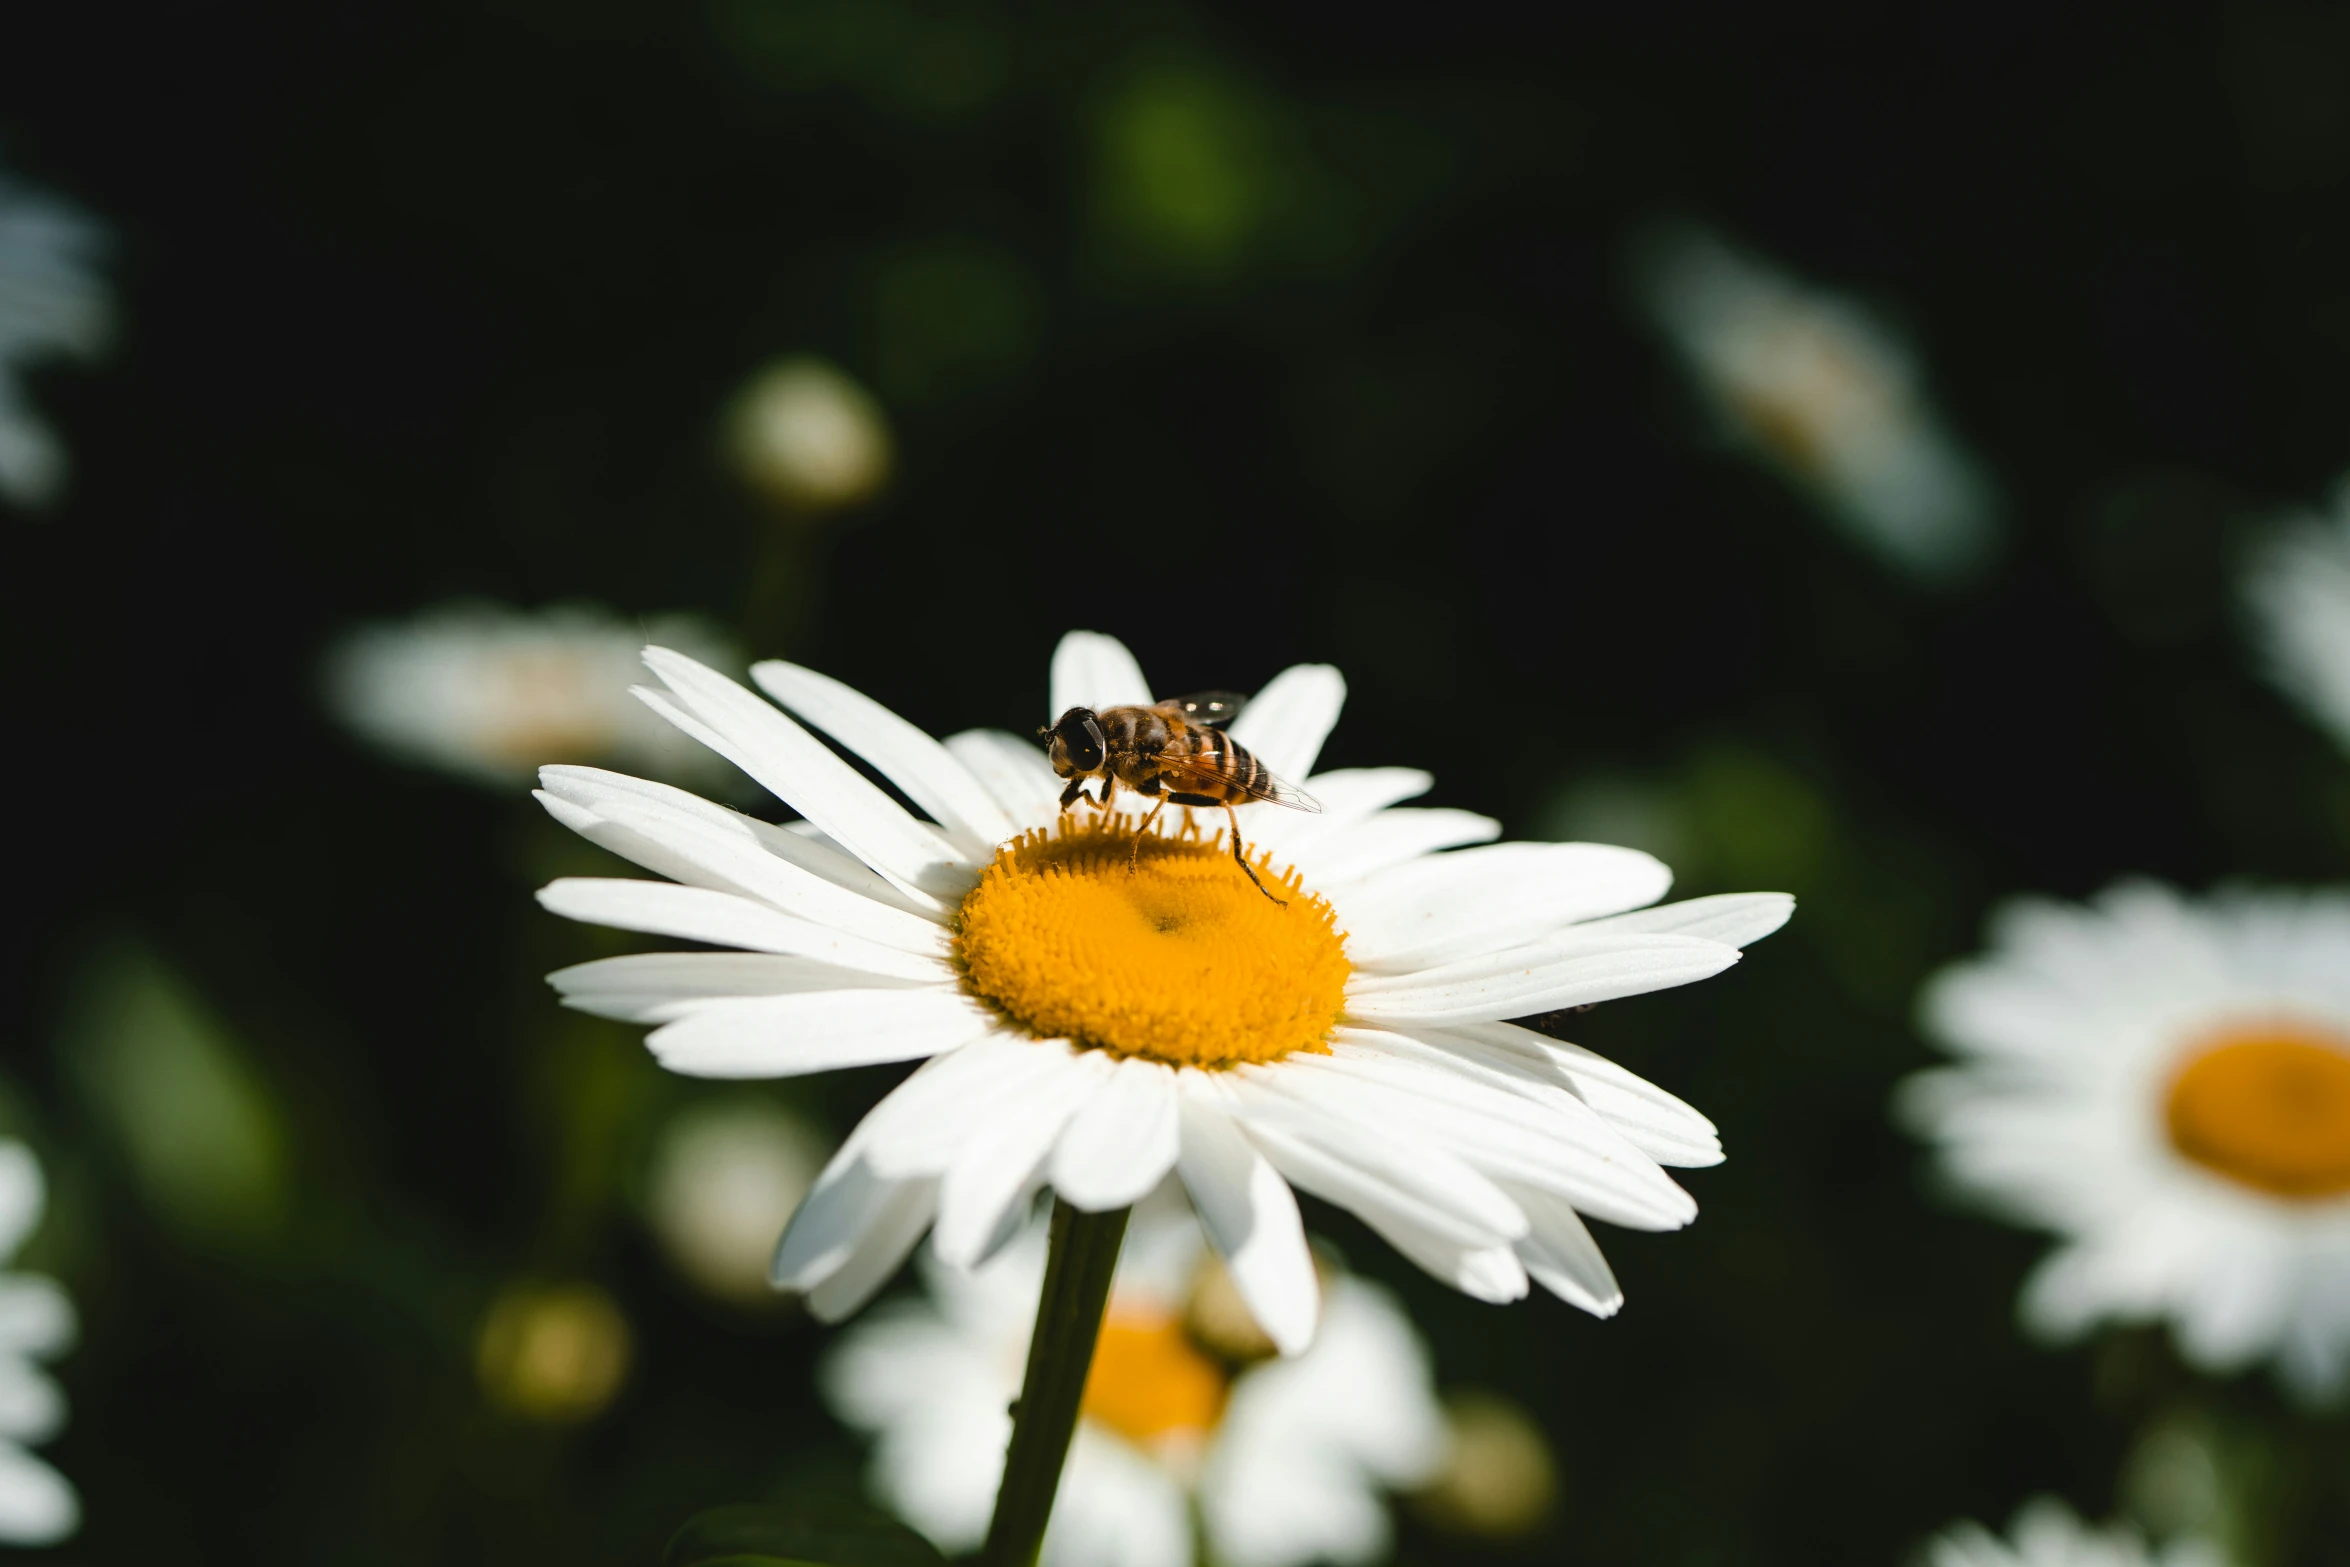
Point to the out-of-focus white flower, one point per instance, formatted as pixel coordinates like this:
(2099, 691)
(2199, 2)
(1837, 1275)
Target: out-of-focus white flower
(1499, 1479)
(1829, 396)
(808, 438)
(2299, 590)
(725, 1179)
(2166, 1085)
(37, 1505)
(53, 305)
(2046, 1533)
(555, 1353)
(490, 693)
(1286, 1460)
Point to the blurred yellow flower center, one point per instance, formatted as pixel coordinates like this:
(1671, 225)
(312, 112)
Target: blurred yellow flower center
(1152, 946)
(1149, 1383)
(2268, 1105)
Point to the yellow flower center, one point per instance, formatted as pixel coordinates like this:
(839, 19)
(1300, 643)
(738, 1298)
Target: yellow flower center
(2267, 1105)
(1150, 1384)
(1151, 946)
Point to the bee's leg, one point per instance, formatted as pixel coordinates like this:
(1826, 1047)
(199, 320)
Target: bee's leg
(1073, 793)
(1240, 855)
(1109, 787)
(1134, 855)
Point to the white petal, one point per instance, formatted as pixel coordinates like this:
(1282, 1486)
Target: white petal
(659, 987)
(1015, 771)
(37, 1506)
(1250, 1217)
(847, 1200)
(1566, 970)
(1347, 796)
(788, 1036)
(995, 1165)
(1444, 907)
(1388, 1169)
(803, 772)
(1286, 722)
(23, 1194)
(797, 841)
(1562, 1257)
(32, 1408)
(1117, 1507)
(880, 1250)
(1655, 1122)
(1390, 838)
(930, 776)
(730, 857)
(722, 919)
(1092, 670)
(1735, 919)
(36, 1315)
(1121, 1142)
(1565, 1147)
(922, 1124)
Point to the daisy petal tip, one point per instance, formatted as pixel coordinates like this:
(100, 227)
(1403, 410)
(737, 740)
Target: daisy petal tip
(1772, 912)
(1089, 1197)
(1294, 1334)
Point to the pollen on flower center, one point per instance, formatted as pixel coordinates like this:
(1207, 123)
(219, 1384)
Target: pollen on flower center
(1152, 946)
(1150, 1383)
(2267, 1105)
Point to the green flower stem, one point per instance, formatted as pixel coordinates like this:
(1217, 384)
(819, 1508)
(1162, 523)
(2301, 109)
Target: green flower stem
(1068, 1321)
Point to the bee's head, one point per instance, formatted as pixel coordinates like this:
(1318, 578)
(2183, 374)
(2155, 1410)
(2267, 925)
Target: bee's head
(1078, 745)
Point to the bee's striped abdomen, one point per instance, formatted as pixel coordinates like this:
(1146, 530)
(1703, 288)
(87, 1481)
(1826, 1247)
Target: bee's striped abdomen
(1236, 768)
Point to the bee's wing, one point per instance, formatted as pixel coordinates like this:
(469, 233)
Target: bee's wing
(1202, 776)
(1213, 709)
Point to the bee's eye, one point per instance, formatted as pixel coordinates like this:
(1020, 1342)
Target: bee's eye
(1079, 738)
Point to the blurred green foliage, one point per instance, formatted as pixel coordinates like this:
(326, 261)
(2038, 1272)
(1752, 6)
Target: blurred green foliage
(195, 1125)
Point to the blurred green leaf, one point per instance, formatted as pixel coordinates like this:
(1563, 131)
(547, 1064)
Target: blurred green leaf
(192, 1115)
(806, 1533)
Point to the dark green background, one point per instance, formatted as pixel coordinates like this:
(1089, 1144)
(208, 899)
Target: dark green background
(430, 301)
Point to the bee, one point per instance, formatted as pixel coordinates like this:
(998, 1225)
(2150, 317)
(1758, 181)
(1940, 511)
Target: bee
(1173, 752)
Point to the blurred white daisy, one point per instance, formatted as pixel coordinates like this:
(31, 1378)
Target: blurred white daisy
(1095, 1009)
(53, 304)
(724, 1179)
(1285, 1460)
(37, 1505)
(1829, 396)
(808, 438)
(2299, 591)
(2046, 1533)
(2165, 1084)
(490, 693)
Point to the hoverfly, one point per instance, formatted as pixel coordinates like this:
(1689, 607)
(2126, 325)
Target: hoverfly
(1173, 752)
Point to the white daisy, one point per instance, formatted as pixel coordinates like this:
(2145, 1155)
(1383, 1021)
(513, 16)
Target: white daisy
(724, 1177)
(489, 693)
(2165, 1084)
(2299, 591)
(52, 305)
(2046, 1533)
(1831, 397)
(808, 438)
(1095, 1009)
(1286, 1460)
(37, 1505)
